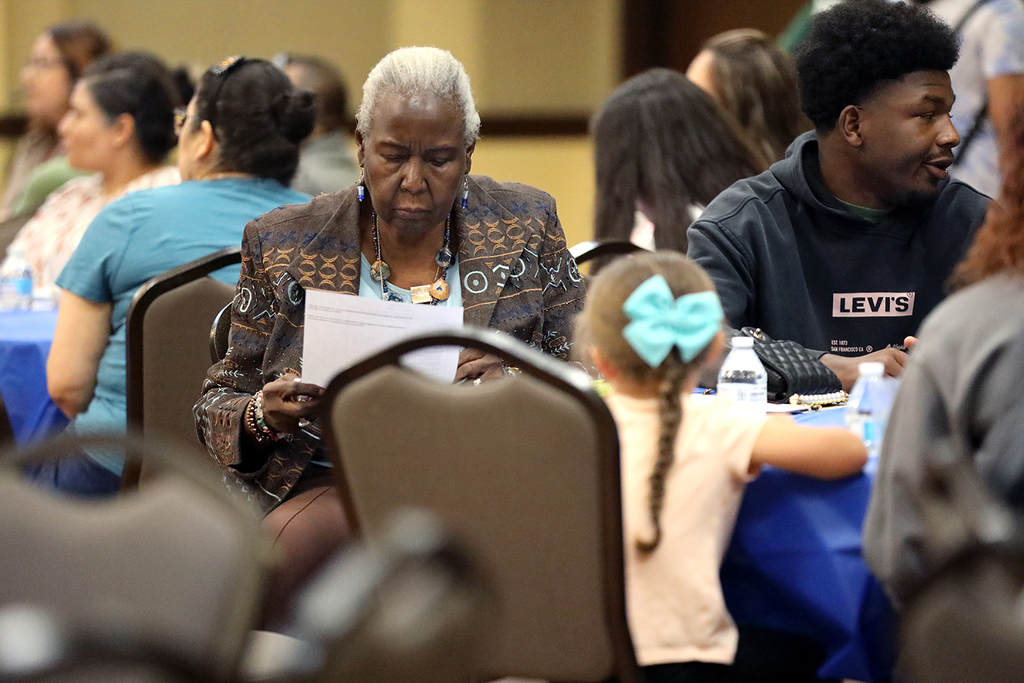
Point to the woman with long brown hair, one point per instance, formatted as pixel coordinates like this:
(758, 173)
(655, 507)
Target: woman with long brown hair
(756, 82)
(960, 396)
(663, 149)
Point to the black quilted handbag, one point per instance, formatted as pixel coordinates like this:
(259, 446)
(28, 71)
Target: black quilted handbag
(794, 372)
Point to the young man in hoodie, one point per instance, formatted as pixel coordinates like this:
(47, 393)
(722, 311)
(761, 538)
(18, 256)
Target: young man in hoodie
(844, 245)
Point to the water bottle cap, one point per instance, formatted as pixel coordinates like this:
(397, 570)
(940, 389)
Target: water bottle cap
(871, 369)
(742, 343)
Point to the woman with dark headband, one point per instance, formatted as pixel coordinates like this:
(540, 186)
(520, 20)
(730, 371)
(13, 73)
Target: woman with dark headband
(238, 147)
(418, 229)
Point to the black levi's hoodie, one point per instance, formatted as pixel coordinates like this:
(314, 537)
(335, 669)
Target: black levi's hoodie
(788, 257)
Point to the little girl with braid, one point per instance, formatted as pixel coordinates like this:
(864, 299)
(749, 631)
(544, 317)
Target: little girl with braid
(652, 321)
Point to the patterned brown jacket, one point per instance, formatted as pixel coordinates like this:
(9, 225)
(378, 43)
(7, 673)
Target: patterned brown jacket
(516, 273)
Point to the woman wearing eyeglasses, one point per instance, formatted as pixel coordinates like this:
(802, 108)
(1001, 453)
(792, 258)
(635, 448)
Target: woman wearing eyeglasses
(238, 147)
(58, 57)
(120, 126)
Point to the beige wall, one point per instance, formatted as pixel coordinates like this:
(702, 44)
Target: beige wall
(548, 55)
(523, 57)
(561, 166)
(201, 32)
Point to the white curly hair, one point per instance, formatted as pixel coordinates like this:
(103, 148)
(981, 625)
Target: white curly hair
(412, 71)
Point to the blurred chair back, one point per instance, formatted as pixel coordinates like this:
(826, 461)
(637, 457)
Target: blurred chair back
(168, 341)
(407, 608)
(9, 230)
(524, 470)
(177, 566)
(965, 624)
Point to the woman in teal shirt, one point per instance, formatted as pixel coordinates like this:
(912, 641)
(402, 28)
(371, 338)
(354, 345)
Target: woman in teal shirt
(238, 148)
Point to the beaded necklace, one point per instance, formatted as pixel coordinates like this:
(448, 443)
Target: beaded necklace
(421, 294)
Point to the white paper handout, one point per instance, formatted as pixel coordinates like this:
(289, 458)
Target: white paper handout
(342, 329)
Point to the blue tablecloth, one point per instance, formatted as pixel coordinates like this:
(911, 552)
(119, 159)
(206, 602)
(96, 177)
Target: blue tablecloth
(25, 338)
(795, 564)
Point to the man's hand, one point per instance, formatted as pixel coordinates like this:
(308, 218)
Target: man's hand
(288, 399)
(475, 364)
(845, 367)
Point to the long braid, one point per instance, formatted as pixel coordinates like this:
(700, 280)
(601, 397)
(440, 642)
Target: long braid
(670, 414)
(601, 325)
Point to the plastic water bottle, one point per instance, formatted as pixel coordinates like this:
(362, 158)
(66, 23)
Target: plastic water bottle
(18, 281)
(867, 409)
(743, 377)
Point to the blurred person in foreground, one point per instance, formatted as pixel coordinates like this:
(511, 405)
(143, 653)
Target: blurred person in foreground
(58, 58)
(418, 229)
(844, 245)
(755, 81)
(326, 163)
(120, 126)
(960, 394)
(238, 147)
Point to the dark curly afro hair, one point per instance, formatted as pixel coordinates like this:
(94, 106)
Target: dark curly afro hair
(859, 45)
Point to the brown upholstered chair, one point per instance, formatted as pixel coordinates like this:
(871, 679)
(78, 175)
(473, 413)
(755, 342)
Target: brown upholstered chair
(524, 470)
(177, 566)
(168, 328)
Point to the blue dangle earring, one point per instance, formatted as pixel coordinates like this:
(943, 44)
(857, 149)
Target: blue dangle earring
(465, 192)
(360, 188)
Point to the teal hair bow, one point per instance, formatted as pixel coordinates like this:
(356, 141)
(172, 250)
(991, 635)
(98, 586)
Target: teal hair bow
(660, 321)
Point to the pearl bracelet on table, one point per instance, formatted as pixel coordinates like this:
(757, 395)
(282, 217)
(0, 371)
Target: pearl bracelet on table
(819, 400)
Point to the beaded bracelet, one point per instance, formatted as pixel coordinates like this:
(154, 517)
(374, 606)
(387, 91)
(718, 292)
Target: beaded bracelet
(255, 423)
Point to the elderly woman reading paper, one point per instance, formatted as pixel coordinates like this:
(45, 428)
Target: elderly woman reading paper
(417, 229)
